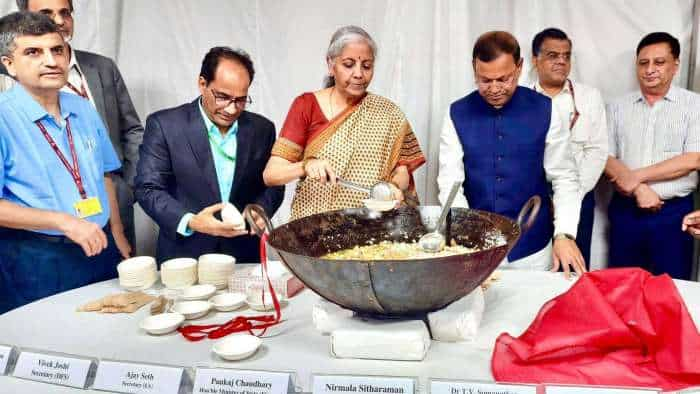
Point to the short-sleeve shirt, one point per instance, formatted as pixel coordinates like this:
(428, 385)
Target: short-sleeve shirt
(31, 173)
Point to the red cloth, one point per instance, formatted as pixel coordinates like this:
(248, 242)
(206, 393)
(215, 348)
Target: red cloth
(616, 327)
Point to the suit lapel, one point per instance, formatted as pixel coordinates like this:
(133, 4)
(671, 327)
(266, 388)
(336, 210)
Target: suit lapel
(92, 76)
(196, 134)
(244, 140)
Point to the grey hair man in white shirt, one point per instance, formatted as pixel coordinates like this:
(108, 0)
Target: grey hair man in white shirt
(582, 113)
(653, 163)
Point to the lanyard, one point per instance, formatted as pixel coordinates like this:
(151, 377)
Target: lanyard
(82, 92)
(74, 170)
(574, 118)
(220, 149)
(576, 114)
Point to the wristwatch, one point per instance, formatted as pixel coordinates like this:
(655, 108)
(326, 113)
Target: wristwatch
(564, 236)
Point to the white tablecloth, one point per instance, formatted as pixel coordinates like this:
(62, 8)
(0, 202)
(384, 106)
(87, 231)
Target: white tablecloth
(52, 324)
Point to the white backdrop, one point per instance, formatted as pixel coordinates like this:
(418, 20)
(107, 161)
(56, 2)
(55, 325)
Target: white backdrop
(424, 52)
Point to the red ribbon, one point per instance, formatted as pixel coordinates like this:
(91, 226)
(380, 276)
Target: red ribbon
(241, 323)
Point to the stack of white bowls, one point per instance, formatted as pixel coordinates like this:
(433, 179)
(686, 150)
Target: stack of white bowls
(215, 269)
(137, 273)
(179, 273)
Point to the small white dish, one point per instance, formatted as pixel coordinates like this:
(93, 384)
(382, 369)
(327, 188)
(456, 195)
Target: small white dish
(225, 302)
(230, 215)
(275, 269)
(256, 302)
(237, 347)
(379, 205)
(192, 309)
(163, 323)
(198, 292)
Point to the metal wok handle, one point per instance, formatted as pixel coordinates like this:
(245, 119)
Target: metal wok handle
(533, 206)
(257, 209)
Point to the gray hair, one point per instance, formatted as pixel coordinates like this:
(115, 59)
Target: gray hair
(342, 37)
(23, 5)
(22, 23)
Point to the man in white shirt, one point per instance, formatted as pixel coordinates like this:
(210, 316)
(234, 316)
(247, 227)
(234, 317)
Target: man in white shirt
(653, 163)
(582, 112)
(504, 143)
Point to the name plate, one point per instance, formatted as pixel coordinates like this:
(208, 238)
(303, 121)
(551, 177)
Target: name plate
(341, 384)
(596, 390)
(5, 352)
(137, 378)
(48, 368)
(465, 387)
(234, 381)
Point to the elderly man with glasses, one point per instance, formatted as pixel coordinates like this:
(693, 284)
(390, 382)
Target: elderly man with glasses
(200, 155)
(504, 143)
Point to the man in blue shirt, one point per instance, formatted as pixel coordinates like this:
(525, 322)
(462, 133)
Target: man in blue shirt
(200, 155)
(55, 154)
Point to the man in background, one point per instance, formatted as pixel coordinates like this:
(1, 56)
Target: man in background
(582, 113)
(653, 163)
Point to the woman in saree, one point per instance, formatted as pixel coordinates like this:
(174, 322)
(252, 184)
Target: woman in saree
(344, 131)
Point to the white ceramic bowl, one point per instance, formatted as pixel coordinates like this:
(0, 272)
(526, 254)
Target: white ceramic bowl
(198, 292)
(216, 261)
(163, 323)
(136, 267)
(237, 347)
(231, 215)
(379, 205)
(182, 263)
(228, 301)
(256, 302)
(192, 309)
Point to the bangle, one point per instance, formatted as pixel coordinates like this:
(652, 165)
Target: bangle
(306, 161)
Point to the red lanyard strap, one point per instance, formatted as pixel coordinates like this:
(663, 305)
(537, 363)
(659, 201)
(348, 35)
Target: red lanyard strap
(82, 92)
(241, 323)
(574, 118)
(74, 170)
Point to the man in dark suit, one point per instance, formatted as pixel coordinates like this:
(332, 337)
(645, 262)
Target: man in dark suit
(200, 154)
(97, 78)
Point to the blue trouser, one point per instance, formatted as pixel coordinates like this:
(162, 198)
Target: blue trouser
(585, 227)
(32, 267)
(653, 241)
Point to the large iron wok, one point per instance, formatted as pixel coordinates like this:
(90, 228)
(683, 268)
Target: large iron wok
(392, 287)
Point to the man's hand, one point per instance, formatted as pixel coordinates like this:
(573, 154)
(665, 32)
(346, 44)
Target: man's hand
(691, 224)
(204, 222)
(87, 234)
(647, 198)
(121, 242)
(626, 182)
(565, 253)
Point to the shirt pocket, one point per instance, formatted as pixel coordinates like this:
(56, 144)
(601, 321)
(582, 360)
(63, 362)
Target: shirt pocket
(673, 133)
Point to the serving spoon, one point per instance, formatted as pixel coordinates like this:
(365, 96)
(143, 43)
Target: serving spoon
(434, 241)
(380, 191)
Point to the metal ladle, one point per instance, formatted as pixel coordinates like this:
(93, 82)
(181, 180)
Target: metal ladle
(434, 241)
(381, 191)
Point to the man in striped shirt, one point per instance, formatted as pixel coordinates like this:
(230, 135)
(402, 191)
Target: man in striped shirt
(654, 157)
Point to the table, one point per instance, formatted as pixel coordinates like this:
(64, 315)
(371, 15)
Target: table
(52, 324)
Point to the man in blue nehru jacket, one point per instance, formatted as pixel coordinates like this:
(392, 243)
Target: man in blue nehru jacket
(505, 144)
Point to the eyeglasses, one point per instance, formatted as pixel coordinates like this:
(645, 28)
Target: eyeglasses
(553, 56)
(503, 82)
(222, 101)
